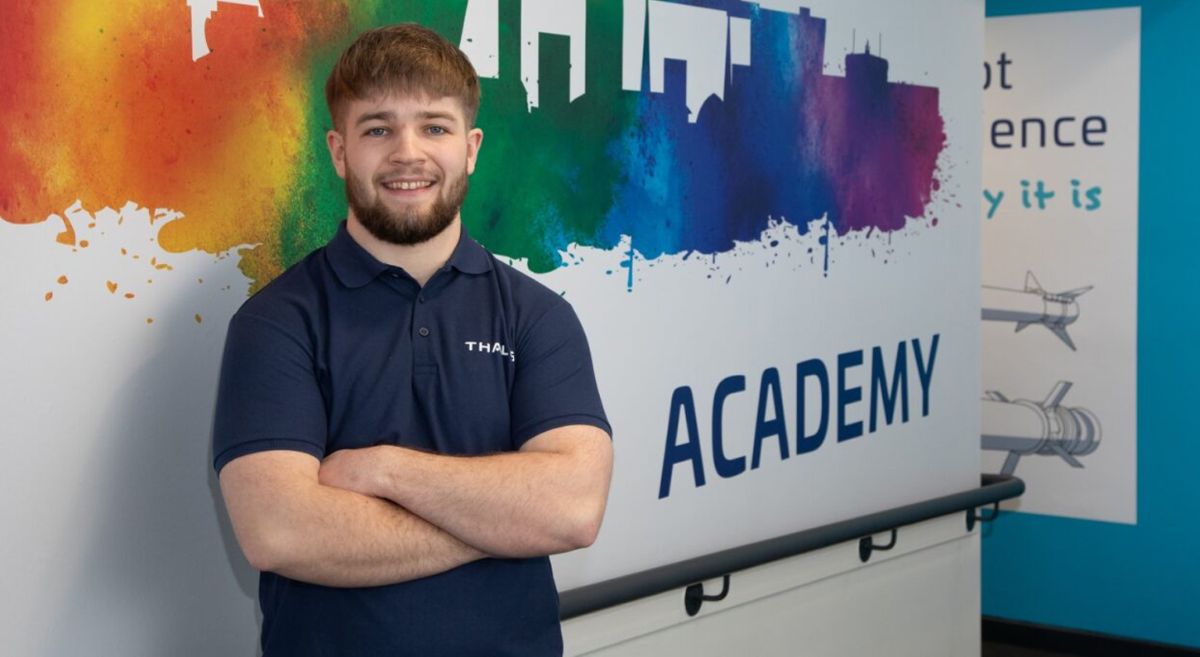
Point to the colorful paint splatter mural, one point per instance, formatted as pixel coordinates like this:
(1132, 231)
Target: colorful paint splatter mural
(215, 110)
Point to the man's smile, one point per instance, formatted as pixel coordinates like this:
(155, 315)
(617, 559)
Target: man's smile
(404, 184)
(407, 187)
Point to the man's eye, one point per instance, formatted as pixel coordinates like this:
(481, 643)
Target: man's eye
(376, 132)
(436, 130)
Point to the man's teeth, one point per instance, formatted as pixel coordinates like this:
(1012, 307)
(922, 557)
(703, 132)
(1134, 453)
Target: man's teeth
(408, 185)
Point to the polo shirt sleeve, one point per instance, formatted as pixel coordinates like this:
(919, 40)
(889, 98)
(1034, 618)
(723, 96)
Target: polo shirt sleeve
(268, 397)
(554, 385)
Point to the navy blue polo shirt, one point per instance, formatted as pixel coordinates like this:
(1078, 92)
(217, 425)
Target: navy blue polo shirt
(343, 351)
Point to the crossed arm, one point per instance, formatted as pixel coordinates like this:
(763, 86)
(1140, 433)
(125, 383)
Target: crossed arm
(388, 514)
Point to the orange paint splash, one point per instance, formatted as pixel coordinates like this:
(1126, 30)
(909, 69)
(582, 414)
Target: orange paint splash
(67, 236)
(218, 139)
(49, 296)
(62, 280)
(112, 287)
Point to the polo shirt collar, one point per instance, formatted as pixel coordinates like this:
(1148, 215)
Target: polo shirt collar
(355, 267)
(352, 264)
(469, 256)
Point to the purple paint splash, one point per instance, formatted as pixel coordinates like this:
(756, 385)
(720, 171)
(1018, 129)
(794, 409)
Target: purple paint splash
(880, 143)
(787, 141)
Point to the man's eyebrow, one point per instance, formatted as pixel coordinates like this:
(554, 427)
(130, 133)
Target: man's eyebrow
(436, 115)
(384, 115)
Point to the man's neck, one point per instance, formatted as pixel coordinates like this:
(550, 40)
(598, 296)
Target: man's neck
(421, 261)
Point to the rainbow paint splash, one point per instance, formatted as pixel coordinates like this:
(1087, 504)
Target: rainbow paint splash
(104, 104)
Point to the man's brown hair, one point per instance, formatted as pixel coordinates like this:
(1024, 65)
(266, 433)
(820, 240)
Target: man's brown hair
(406, 59)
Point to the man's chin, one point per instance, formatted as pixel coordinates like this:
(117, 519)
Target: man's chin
(404, 230)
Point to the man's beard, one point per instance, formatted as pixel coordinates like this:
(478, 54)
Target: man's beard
(409, 226)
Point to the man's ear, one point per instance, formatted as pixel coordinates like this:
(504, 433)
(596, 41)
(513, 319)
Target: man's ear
(474, 141)
(337, 151)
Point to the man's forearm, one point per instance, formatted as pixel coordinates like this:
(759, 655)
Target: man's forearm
(324, 535)
(355, 540)
(517, 504)
(496, 502)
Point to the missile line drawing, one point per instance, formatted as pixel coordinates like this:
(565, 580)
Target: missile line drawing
(1026, 427)
(1033, 305)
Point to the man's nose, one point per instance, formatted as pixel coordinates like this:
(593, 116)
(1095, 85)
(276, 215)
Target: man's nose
(406, 148)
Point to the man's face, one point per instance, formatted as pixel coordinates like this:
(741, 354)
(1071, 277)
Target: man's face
(405, 160)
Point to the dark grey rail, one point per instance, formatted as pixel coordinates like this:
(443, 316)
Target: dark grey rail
(609, 593)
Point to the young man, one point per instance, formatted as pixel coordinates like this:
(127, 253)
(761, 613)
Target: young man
(406, 426)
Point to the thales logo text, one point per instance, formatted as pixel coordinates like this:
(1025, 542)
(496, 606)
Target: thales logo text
(491, 348)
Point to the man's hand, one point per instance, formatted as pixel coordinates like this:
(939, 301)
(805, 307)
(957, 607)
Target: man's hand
(357, 470)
